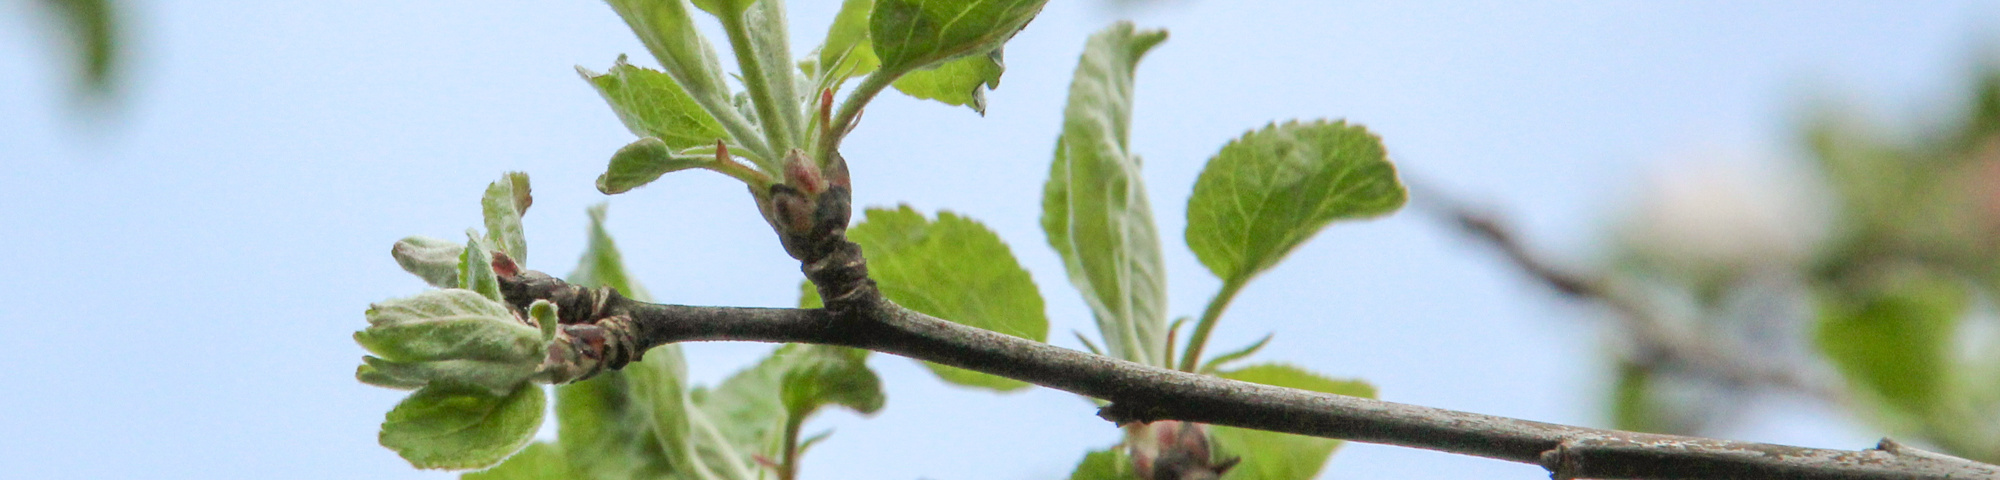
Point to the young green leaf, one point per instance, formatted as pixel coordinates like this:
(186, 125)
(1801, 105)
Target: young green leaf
(913, 34)
(961, 82)
(623, 425)
(505, 201)
(452, 327)
(724, 7)
(652, 105)
(746, 416)
(668, 31)
(628, 424)
(1272, 189)
(642, 162)
(602, 265)
(952, 268)
(822, 376)
(475, 268)
(1279, 456)
(1094, 208)
(1896, 344)
(446, 426)
(540, 461)
(846, 52)
(432, 259)
(1106, 464)
(496, 376)
(752, 406)
(771, 42)
(450, 324)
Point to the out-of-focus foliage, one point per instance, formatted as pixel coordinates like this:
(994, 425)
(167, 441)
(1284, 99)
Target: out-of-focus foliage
(1881, 277)
(93, 32)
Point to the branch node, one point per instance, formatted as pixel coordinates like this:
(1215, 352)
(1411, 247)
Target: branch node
(1560, 463)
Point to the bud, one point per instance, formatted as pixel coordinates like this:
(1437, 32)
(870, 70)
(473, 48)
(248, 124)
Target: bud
(1173, 450)
(801, 173)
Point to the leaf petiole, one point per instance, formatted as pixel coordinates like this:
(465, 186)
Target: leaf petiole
(850, 109)
(1209, 315)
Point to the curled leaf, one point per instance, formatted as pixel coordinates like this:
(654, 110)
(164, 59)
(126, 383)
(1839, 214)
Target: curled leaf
(433, 259)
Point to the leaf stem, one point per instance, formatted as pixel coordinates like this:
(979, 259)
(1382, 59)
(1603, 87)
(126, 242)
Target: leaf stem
(788, 468)
(1192, 359)
(850, 108)
(775, 127)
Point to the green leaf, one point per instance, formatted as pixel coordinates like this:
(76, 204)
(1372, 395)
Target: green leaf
(446, 426)
(540, 461)
(914, 34)
(475, 268)
(602, 265)
(1279, 456)
(1272, 189)
(625, 424)
(771, 42)
(1106, 464)
(750, 409)
(961, 82)
(1896, 343)
(1634, 405)
(651, 104)
(505, 201)
(831, 376)
(1094, 208)
(724, 7)
(667, 30)
(432, 259)
(956, 269)
(642, 162)
(846, 52)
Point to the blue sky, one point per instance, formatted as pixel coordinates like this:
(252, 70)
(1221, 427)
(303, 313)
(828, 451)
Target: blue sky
(182, 277)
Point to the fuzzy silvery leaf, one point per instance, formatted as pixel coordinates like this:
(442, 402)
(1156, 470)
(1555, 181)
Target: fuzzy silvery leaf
(433, 259)
(502, 206)
(642, 162)
(1094, 207)
(475, 268)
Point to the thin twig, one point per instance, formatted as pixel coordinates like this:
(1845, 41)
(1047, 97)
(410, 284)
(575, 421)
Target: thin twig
(1654, 341)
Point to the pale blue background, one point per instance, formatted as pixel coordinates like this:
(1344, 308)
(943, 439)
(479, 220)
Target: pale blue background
(180, 280)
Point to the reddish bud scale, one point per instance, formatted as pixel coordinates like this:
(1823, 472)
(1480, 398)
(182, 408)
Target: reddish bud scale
(800, 173)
